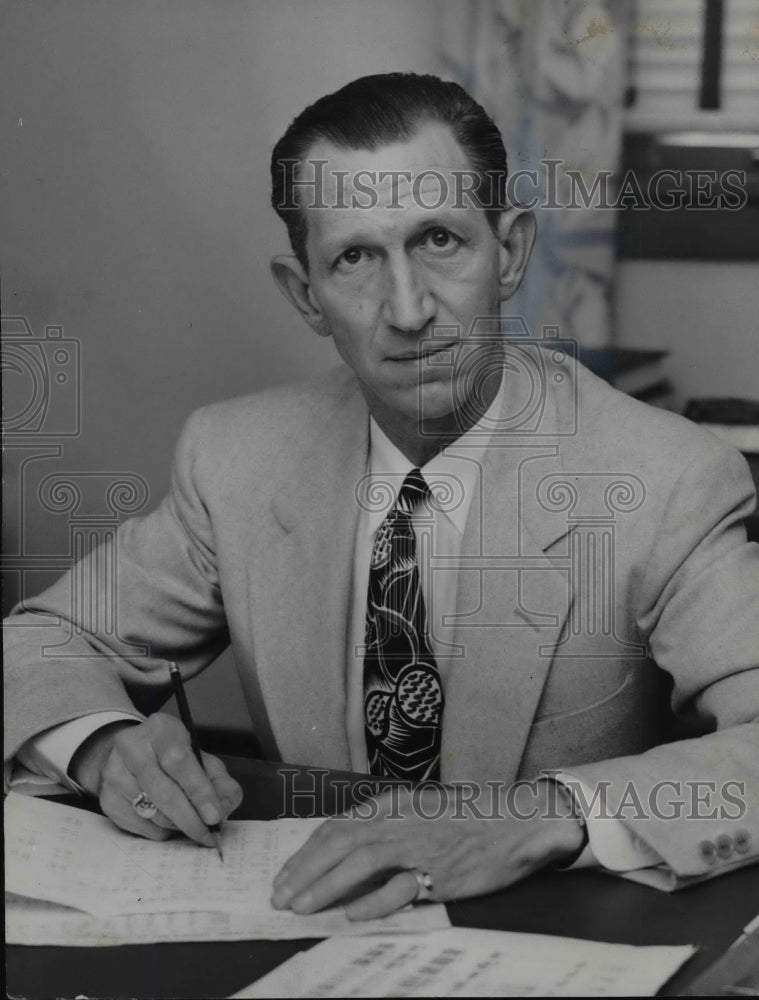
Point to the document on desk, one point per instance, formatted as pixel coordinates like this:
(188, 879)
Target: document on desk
(34, 922)
(56, 854)
(470, 963)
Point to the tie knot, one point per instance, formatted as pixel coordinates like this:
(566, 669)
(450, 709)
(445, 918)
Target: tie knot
(413, 491)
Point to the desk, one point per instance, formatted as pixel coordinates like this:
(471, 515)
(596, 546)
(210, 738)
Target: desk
(574, 904)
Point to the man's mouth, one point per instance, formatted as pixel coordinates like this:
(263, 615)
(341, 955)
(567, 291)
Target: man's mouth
(424, 351)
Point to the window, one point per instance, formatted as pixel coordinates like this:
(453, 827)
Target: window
(692, 123)
(694, 64)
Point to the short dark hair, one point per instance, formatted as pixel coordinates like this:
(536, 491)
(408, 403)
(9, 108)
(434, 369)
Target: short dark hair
(376, 110)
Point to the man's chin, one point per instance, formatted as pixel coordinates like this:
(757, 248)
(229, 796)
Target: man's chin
(436, 414)
(448, 407)
(435, 402)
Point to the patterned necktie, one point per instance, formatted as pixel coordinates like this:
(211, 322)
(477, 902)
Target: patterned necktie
(403, 698)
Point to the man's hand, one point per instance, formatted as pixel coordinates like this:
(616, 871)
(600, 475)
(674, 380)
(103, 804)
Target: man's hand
(155, 757)
(469, 846)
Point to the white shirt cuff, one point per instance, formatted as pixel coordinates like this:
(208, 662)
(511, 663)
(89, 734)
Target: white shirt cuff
(610, 843)
(50, 753)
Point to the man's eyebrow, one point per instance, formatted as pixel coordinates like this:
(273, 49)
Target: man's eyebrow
(453, 218)
(352, 237)
(442, 219)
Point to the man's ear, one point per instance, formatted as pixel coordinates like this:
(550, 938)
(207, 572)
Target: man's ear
(516, 234)
(295, 285)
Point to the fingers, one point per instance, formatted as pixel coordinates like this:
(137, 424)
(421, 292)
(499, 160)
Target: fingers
(327, 845)
(116, 797)
(227, 789)
(162, 764)
(401, 890)
(350, 875)
(162, 820)
(156, 758)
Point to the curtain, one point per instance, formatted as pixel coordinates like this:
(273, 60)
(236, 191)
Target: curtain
(551, 73)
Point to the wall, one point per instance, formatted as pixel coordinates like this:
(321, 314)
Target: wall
(136, 216)
(705, 313)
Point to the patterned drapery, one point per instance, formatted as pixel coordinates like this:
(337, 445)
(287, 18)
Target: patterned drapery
(551, 73)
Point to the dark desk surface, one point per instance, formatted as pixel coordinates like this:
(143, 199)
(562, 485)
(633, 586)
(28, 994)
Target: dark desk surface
(584, 904)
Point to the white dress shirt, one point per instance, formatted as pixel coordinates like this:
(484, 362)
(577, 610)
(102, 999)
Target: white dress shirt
(439, 531)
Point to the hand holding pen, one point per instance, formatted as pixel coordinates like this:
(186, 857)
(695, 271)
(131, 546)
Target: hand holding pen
(152, 781)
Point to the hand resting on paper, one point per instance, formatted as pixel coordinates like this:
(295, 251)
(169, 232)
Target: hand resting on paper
(155, 757)
(433, 830)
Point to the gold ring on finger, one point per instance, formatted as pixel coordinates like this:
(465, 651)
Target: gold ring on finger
(424, 885)
(144, 808)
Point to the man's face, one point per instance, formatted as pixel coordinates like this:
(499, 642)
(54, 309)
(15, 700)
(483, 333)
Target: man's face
(383, 277)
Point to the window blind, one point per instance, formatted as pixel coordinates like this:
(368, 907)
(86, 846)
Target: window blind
(685, 51)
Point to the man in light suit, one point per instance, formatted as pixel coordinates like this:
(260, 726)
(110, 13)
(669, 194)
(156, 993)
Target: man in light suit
(460, 557)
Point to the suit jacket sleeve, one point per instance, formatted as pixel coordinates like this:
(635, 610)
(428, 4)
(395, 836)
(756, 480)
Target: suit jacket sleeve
(99, 639)
(696, 801)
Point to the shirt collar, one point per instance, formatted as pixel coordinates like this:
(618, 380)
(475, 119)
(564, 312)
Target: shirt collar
(455, 464)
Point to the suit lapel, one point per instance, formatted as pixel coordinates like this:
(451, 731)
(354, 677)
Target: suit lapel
(512, 605)
(300, 601)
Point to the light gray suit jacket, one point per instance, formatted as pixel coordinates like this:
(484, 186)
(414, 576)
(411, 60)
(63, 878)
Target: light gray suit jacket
(605, 581)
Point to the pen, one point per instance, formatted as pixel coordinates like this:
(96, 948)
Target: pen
(186, 717)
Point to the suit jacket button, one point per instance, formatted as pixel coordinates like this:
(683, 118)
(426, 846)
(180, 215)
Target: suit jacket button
(724, 845)
(708, 851)
(742, 841)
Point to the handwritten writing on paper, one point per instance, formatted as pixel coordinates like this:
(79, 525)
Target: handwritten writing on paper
(35, 922)
(58, 854)
(64, 855)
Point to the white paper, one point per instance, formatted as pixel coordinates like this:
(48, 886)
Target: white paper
(34, 922)
(466, 962)
(62, 855)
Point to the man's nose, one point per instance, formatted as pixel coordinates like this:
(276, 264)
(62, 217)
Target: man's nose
(409, 305)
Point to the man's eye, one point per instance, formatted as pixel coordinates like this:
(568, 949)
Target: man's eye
(351, 256)
(440, 239)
